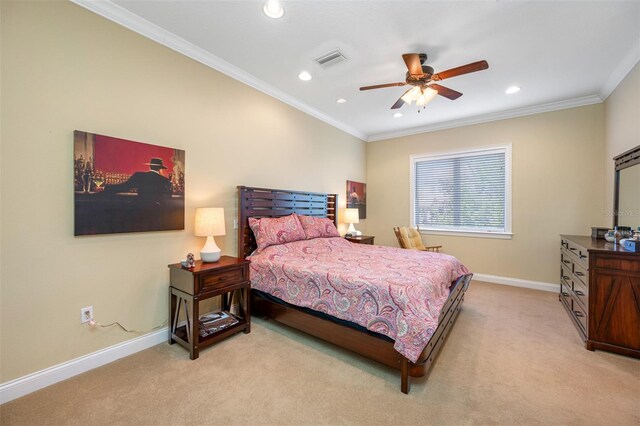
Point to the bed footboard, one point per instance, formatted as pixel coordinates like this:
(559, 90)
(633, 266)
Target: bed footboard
(370, 345)
(447, 318)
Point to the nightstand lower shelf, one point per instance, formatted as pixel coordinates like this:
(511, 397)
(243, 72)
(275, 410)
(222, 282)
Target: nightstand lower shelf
(180, 335)
(188, 335)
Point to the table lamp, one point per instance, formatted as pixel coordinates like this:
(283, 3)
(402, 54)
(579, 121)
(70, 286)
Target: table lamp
(209, 223)
(352, 216)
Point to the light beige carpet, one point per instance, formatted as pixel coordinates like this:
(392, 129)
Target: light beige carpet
(513, 357)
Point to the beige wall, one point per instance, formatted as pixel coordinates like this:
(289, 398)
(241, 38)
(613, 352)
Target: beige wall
(622, 131)
(557, 188)
(64, 68)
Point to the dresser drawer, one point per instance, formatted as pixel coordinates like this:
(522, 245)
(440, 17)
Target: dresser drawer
(565, 294)
(581, 294)
(580, 315)
(630, 264)
(566, 274)
(222, 278)
(581, 255)
(580, 273)
(566, 259)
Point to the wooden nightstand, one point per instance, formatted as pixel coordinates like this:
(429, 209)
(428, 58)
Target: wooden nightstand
(362, 239)
(188, 287)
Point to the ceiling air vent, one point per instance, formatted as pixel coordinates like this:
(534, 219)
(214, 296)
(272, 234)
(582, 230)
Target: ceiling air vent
(331, 58)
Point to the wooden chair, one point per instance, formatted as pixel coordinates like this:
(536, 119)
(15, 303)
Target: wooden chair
(409, 238)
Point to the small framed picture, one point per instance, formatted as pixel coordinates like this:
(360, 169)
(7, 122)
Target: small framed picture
(357, 197)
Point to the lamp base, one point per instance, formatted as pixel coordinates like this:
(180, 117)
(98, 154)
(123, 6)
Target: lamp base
(352, 232)
(210, 252)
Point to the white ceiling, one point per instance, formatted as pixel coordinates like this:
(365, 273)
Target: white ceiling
(562, 54)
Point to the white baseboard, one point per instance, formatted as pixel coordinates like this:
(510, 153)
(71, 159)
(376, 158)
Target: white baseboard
(43, 378)
(517, 282)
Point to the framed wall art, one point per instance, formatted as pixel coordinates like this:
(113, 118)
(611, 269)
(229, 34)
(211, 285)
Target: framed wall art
(126, 186)
(357, 197)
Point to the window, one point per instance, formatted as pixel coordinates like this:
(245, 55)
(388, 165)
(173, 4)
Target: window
(463, 192)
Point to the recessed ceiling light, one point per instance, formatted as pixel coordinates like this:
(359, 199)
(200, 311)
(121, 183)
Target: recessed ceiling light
(397, 115)
(304, 76)
(511, 90)
(341, 100)
(273, 9)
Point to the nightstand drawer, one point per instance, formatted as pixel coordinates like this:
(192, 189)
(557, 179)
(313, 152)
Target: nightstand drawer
(222, 278)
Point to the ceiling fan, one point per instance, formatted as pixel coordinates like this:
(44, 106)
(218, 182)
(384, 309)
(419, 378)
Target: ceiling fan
(422, 78)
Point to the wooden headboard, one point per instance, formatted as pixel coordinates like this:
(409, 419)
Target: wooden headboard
(264, 202)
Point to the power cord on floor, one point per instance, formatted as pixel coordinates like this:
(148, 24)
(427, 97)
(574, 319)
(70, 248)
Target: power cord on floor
(94, 323)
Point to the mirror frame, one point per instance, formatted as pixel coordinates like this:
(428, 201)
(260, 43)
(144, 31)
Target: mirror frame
(622, 161)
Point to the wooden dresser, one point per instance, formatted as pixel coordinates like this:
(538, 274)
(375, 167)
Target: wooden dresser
(600, 289)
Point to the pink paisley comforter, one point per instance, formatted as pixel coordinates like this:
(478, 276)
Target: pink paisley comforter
(395, 292)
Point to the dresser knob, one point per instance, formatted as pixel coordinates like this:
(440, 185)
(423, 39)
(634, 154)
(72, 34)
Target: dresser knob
(579, 293)
(578, 314)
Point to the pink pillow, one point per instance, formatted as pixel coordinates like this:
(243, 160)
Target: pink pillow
(272, 231)
(318, 227)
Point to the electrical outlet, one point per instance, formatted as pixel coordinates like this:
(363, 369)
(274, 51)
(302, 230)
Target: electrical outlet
(235, 223)
(86, 314)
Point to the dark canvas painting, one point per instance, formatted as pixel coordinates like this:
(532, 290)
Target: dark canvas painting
(357, 197)
(126, 186)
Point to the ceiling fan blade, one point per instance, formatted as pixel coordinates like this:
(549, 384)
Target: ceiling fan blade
(400, 101)
(380, 86)
(464, 69)
(412, 60)
(446, 92)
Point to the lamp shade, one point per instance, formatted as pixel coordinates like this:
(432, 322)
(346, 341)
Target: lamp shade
(209, 222)
(351, 216)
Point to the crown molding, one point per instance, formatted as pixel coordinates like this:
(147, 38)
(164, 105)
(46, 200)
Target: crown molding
(121, 16)
(624, 67)
(485, 118)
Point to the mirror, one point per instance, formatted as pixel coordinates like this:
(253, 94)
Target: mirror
(627, 189)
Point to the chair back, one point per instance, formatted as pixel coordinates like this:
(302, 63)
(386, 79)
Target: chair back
(396, 230)
(411, 238)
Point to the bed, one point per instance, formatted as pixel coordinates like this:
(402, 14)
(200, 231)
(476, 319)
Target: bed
(341, 282)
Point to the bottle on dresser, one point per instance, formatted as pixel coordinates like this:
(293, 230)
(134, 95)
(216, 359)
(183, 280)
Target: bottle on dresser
(616, 235)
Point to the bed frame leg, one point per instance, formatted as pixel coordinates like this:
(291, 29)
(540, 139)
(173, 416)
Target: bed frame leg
(404, 375)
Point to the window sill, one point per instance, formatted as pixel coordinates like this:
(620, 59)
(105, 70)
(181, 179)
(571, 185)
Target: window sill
(474, 234)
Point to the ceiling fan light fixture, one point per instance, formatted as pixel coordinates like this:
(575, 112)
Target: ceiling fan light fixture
(427, 96)
(304, 76)
(412, 95)
(511, 90)
(273, 9)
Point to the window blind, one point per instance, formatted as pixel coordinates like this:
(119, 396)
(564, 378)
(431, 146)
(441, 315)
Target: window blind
(465, 192)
